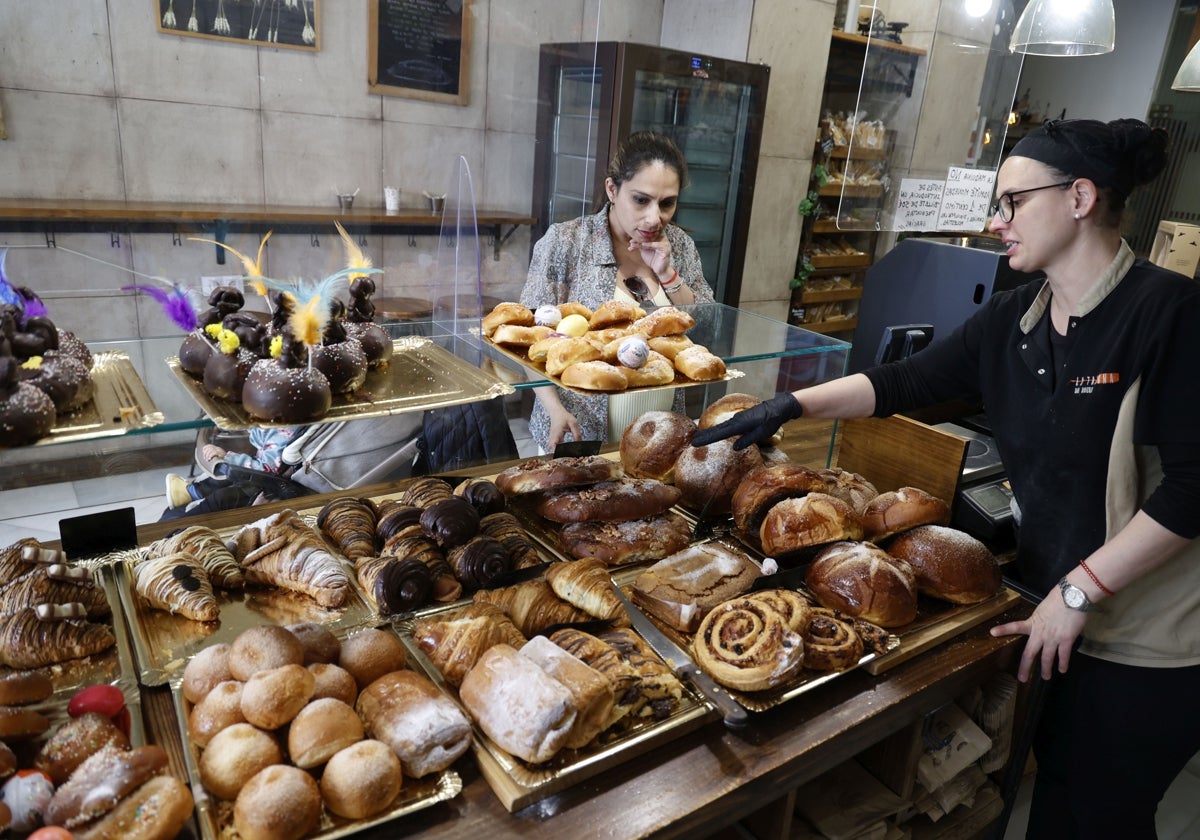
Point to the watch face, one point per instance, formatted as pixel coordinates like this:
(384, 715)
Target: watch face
(1073, 597)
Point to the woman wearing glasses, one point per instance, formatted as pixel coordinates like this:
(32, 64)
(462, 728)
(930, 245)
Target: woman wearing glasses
(630, 251)
(1090, 383)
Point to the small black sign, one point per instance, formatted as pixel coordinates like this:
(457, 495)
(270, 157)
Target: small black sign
(98, 533)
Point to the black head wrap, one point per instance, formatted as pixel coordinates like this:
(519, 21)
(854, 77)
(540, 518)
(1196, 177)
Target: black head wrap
(1117, 155)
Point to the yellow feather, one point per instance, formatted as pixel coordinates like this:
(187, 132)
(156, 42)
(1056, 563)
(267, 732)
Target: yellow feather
(355, 258)
(253, 267)
(308, 321)
(259, 288)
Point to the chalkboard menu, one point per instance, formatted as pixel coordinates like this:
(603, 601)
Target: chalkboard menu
(420, 49)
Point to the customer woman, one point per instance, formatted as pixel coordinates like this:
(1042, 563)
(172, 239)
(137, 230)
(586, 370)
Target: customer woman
(1089, 379)
(628, 250)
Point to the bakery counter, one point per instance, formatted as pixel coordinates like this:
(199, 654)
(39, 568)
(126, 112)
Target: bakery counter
(702, 781)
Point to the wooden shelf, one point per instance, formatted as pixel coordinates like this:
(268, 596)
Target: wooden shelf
(219, 219)
(840, 325)
(876, 43)
(831, 295)
(839, 261)
(831, 226)
(858, 153)
(851, 190)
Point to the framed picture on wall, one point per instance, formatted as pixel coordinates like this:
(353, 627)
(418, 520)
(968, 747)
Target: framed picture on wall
(266, 23)
(420, 49)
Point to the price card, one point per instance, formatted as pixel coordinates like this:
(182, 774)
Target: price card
(918, 204)
(966, 199)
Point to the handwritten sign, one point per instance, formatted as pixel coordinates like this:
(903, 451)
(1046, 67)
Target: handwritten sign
(966, 199)
(420, 49)
(918, 204)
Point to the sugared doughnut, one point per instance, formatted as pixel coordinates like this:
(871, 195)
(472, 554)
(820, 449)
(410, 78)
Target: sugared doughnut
(333, 681)
(263, 648)
(321, 729)
(234, 756)
(371, 653)
(20, 688)
(278, 803)
(26, 413)
(204, 670)
(217, 710)
(272, 698)
(361, 780)
(320, 645)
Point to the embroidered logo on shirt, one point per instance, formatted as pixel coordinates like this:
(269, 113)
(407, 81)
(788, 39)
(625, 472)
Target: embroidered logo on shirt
(1087, 384)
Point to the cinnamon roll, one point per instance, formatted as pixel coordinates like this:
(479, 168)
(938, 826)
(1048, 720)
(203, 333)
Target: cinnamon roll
(830, 643)
(788, 603)
(745, 644)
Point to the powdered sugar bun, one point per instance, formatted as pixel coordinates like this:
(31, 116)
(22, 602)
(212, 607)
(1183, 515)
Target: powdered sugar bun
(709, 475)
(651, 444)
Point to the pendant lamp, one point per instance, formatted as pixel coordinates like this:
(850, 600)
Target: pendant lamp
(1188, 77)
(1065, 28)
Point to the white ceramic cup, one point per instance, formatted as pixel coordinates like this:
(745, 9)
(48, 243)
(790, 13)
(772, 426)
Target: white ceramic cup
(391, 198)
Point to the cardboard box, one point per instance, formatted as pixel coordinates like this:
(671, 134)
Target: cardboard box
(1177, 247)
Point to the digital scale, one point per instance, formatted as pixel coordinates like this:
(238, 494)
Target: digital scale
(983, 502)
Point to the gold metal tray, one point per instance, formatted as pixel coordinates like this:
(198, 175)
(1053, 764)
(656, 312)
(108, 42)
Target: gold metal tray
(681, 381)
(120, 403)
(163, 643)
(215, 816)
(420, 375)
(518, 784)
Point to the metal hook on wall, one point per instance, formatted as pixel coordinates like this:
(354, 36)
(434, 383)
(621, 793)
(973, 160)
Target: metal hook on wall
(314, 240)
(114, 239)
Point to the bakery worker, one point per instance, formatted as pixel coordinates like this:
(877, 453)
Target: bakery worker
(1090, 382)
(629, 251)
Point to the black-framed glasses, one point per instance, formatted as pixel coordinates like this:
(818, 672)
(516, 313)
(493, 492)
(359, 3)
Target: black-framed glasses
(1004, 204)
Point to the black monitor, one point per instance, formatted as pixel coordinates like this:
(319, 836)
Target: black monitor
(899, 341)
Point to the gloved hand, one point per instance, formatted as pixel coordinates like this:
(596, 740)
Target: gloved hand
(755, 424)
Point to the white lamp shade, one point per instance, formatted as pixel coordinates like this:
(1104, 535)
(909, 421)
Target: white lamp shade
(1188, 77)
(1066, 28)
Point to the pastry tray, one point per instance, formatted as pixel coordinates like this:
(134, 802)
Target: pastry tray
(162, 643)
(120, 403)
(420, 375)
(681, 381)
(215, 816)
(518, 784)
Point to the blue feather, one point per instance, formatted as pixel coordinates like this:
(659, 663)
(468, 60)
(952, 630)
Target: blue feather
(175, 304)
(8, 294)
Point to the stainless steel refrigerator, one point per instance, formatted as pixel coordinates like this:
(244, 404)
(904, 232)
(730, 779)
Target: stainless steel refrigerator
(591, 95)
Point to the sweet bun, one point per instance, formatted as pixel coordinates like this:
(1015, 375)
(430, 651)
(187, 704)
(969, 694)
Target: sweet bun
(651, 444)
(361, 780)
(861, 580)
(708, 476)
(101, 782)
(815, 519)
(898, 510)
(572, 307)
(20, 688)
(322, 728)
(205, 670)
(234, 756)
(263, 648)
(631, 541)
(595, 376)
(569, 351)
(371, 653)
(278, 803)
(666, 320)
(656, 370)
(272, 698)
(764, 487)
(949, 564)
(157, 810)
(669, 345)
(333, 681)
(538, 474)
(696, 362)
(851, 488)
(514, 336)
(721, 410)
(608, 501)
(219, 709)
(74, 741)
(614, 313)
(507, 313)
(320, 645)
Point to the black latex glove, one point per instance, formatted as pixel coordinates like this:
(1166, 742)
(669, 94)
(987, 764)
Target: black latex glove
(755, 424)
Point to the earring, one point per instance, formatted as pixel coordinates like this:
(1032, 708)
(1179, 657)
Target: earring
(1077, 217)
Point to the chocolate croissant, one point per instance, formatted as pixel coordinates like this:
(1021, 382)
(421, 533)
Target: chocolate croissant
(478, 562)
(350, 523)
(450, 522)
(424, 492)
(396, 518)
(205, 546)
(483, 495)
(504, 527)
(394, 585)
(587, 585)
(13, 563)
(28, 642)
(531, 605)
(178, 584)
(603, 657)
(446, 587)
(455, 644)
(660, 686)
(41, 586)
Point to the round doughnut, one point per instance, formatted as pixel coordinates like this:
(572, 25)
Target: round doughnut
(234, 756)
(279, 803)
(320, 645)
(220, 709)
(158, 810)
(322, 728)
(371, 653)
(17, 723)
(20, 688)
(361, 780)
(204, 670)
(272, 698)
(263, 648)
(333, 681)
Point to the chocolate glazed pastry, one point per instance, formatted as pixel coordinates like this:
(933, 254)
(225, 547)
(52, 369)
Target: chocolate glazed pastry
(450, 522)
(479, 561)
(402, 586)
(446, 587)
(394, 517)
(194, 353)
(26, 413)
(64, 379)
(483, 495)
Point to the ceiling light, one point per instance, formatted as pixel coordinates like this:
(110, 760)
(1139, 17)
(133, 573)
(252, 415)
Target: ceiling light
(1188, 77)
(1066, 28)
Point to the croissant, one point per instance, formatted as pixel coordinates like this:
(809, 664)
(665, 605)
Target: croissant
(504, 527)
(424, 492)
(178, 584)
(603, 657)
(38, 586)
(661, 687)
(586, 584)
(531, 605)
(477, 562)
(446, 587)
(28, 642)
(294, 557)
(395, 585)
(396, 517)
(454, 644)
(12, 563)
(206, 546)
(350, 523)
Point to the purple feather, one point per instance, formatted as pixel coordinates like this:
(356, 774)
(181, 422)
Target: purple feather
(175, 304)
(34, 308)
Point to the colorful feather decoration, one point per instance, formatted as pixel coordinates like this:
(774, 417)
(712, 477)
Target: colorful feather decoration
(355, 258)
(8, 294)
(254, 267)
(175, 303)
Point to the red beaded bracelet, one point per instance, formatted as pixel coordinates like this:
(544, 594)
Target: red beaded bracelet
(1083, 565)
(671, 287)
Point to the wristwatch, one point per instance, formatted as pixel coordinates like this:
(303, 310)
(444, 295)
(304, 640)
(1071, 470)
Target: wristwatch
(1074, 597)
